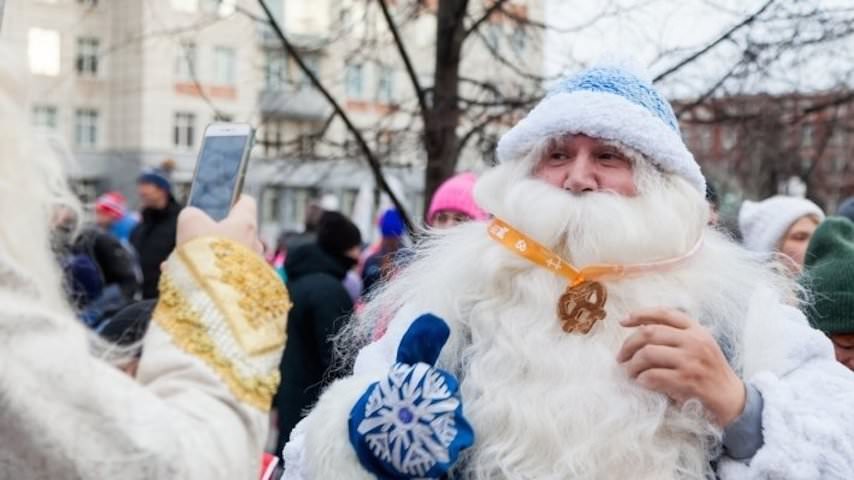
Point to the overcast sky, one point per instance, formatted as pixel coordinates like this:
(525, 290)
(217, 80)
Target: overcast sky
(644, 29)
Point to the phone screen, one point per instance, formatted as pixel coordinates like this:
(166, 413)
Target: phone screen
(217, 174)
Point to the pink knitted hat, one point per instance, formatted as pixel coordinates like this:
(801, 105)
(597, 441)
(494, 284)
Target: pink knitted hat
(456, 195)
(112, 204)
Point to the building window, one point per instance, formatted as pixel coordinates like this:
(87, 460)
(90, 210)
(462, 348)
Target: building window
(491, 36)
(311, 61)
(271, 202)
(44, 117)
(385, 84)
(43, 51)
(296, 202)
(518, 40)
(184, 130)
(348, 201)
(384, 142)
(729, 137)
(275, 70)
(185, 62)
(224, 65)
(272, 138)
(86, 127)
(87, 55)
(353, 81)
(807, 134)
(88, 3)
(838, 137)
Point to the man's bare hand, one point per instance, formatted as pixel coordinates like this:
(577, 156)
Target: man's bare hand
(673, 354)
(241, 225)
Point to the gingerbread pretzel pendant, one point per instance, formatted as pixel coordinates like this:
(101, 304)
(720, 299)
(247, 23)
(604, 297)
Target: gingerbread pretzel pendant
(581, 306)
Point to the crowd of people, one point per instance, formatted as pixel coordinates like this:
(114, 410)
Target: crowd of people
(574, 312)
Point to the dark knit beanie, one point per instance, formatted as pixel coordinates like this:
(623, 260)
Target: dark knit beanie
(336, 233)
(156, 177)
(829, 273)
(846, 208)
(129, 325)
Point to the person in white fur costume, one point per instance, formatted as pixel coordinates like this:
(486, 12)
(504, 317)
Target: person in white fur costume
(683, 362)
(198, 407)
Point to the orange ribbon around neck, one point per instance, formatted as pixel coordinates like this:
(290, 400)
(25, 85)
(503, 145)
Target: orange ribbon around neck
(583, 303)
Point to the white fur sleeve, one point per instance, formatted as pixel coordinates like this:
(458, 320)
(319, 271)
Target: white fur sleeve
(319, 446)
(808, 426)
(807, 420)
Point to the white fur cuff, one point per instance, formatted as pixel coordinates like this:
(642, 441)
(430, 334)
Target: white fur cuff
(319, 447)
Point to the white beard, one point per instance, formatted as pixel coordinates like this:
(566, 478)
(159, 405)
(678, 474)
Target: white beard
(545, 404)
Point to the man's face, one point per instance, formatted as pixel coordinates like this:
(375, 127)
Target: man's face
(151, 196)
(579, 163)
(354, 253)
(797, 238)
(843, 345)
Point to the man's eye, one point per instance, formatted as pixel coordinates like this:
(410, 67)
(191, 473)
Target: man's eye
(612, 160)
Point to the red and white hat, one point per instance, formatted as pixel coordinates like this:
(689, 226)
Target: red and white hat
(112, 204)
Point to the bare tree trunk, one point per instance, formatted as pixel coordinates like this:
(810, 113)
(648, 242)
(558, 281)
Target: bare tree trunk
(443, 115)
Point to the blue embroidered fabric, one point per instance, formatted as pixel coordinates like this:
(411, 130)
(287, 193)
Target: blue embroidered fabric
(411, 424)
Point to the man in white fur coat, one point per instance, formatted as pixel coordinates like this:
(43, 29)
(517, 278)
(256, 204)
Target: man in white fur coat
(595, 329)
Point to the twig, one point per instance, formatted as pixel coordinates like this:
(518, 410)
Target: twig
(410, 70)
(488, 13)
(750, 19)
(376, 168)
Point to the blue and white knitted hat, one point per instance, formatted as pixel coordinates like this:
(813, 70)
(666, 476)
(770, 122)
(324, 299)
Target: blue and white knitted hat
(610, 103)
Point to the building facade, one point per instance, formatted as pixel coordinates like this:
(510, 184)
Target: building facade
(761, 145)
(120, 85)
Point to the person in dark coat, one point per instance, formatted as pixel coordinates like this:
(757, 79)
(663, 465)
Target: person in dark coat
(154, 237)
(126, 329)
(320, 306)
(116, 262)
(382, 264)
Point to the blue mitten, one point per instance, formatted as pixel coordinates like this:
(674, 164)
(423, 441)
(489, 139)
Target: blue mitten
(411, 424)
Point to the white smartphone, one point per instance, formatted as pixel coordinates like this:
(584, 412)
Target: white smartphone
(220, 168)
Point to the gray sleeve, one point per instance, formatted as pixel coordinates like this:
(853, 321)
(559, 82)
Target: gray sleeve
(743, 437)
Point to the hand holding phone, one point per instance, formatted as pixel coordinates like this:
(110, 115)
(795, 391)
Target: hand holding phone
(241, 225)
(220, 168)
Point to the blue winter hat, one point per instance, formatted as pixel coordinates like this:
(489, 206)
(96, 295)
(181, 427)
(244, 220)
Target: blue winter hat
(610, 103)
(391, 224)
(156, 177)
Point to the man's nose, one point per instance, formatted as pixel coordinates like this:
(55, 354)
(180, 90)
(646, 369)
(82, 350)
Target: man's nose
(581, 176)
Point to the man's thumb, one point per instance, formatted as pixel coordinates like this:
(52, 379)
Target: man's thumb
(423, 341)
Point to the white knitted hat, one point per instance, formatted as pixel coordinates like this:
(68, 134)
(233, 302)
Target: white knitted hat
(764, 223)
(611, 103)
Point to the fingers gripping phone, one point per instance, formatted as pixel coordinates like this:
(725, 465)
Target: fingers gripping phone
(220, 168)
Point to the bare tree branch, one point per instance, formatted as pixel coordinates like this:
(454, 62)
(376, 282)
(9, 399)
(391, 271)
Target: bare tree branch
(464, 139)
(507, 63)
(375, 166)
(747, 21)
(488, 13)
(410, 70)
